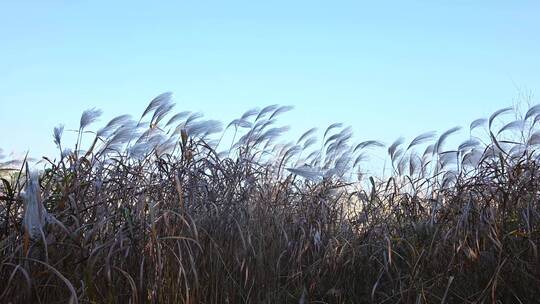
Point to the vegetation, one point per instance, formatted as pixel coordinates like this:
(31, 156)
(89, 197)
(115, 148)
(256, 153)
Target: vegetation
(156, 212)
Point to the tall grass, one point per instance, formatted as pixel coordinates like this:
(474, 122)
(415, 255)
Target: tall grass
(171, 208)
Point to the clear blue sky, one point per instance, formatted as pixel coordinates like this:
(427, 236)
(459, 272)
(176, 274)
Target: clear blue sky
(387, 69)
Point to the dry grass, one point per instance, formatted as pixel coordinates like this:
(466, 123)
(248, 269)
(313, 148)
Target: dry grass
(155, 212)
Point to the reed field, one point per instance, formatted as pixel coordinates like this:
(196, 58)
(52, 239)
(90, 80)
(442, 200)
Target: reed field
(171, 207)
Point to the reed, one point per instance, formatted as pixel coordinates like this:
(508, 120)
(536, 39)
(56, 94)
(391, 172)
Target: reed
(160, 209)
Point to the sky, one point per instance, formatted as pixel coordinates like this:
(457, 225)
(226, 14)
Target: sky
(387, 68)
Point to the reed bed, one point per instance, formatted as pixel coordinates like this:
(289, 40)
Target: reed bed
(174, 208)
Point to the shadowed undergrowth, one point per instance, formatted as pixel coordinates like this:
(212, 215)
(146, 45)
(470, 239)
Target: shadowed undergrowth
(171, 208)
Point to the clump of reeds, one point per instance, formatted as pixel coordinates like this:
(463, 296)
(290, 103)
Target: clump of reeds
(174, 208)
